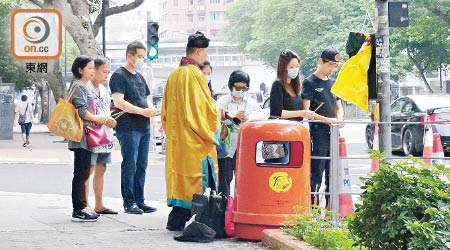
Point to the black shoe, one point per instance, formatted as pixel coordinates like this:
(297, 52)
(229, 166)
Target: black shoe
(133, 209)
(145, 208)
(84, 215)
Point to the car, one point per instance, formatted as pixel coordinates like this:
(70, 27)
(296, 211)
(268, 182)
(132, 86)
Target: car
(156, 121)
(408, 138)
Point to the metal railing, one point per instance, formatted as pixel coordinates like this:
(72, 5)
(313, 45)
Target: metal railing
(336, 168)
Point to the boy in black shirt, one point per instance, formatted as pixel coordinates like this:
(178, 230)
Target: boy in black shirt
(317, 90)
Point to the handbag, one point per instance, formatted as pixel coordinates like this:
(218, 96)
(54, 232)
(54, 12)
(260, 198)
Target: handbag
(210, 210)
(23, 117)
(65, 120)
(96, 133)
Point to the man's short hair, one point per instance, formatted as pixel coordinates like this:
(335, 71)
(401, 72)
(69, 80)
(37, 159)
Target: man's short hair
(133, 47)
(24, 98)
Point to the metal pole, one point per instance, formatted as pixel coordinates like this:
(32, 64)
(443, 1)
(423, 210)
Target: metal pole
(334, 172)
(65, 55)
(103, 27)
(383, 75)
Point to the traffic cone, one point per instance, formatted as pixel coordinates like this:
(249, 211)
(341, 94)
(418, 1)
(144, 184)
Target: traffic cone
(427, 145)
(438, 151)
(345, 200)
(375, 146)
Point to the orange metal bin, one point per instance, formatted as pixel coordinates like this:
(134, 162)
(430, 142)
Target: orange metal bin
(267, 189)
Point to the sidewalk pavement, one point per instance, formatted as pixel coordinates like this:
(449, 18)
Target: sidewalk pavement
(43, 221)
(38, 221)
(45, 148)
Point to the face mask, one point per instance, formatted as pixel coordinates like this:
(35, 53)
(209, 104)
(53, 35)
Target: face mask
(238, 94)
(293, 73)
(139, 63)
(208, 78)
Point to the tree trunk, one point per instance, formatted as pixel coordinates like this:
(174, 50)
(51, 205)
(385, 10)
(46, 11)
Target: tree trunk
(421, 72)
(42, 88)
(55, 79)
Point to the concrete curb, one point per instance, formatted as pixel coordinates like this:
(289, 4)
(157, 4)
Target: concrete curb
(277, 239)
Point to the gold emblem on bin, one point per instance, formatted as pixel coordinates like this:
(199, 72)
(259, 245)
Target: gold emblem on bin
(280, 182)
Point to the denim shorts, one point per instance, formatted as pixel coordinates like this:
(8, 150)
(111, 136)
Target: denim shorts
(26, 127)
(100, 158)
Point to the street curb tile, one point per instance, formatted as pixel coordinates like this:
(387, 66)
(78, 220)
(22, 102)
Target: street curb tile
(277, 239)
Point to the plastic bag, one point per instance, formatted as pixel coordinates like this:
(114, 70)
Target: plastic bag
(65, 120)
(351, 83)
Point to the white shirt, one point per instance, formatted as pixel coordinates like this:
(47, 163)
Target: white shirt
(21, 107)
(227, 103)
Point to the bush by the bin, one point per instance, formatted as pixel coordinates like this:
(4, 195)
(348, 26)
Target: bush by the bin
(404, 206)
(318, 231)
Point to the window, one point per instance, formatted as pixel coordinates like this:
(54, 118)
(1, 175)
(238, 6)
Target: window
(201, 4)
(164, 5)
(201, 18)
(175, 18)
(175, 34)
(191, 2)
(228, 1)
(214, 33)
(175, 3)
(190, 18)
(397, 106)
(164, 19)
(214, 15)
(214, 1)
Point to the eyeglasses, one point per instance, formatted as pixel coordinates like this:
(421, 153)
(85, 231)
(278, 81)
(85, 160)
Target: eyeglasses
(245, 89)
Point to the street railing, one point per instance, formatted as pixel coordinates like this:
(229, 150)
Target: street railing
(336, 168)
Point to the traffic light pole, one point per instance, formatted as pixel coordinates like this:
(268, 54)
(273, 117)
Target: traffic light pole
(383, 75)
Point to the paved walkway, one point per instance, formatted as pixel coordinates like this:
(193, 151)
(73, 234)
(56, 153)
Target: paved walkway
(43, 221)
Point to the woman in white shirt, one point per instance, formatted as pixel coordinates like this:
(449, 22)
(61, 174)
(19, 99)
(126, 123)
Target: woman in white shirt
(236, 109)
(25, 109)
(101, 155)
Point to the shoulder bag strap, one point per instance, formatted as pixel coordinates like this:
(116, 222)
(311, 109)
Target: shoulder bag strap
(71, 93)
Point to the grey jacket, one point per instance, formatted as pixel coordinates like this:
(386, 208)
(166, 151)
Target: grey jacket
(82, 100)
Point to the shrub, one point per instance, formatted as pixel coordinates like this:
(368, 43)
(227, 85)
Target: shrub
(404, 206)
(319, 232)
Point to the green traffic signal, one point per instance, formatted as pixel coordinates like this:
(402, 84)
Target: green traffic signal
(152, 51)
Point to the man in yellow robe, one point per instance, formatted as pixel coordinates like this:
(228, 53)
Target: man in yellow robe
(190, 120)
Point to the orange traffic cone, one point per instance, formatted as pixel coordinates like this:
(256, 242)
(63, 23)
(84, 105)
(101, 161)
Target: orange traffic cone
(345, 200)
(438, 151)
(427, 145)
(375, 146)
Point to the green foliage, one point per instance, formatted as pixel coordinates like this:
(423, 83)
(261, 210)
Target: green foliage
(11, 70)
(319, 232)
(404, 206)
(265, 27)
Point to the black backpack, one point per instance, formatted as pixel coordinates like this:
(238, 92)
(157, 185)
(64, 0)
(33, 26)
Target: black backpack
(210, 212)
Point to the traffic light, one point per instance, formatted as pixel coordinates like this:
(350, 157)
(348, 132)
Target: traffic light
(152, 40)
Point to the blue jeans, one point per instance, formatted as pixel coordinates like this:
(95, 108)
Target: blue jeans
(134, 148)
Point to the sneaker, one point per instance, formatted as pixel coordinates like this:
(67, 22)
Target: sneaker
(90, 211)
(84, 215)
(133, 209)
(145, 208)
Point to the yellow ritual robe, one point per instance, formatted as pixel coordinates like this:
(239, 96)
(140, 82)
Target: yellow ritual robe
(190, 120)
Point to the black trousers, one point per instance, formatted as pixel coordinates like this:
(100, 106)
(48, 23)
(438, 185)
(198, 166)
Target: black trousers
(226, 168)
(82, 163)
(320, 147)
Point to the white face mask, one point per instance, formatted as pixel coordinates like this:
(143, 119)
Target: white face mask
(293, 73)
(208, 78)
(139, 63)
(239, 93)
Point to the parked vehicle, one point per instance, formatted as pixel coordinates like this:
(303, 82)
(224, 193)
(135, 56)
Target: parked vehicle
(157, 125)
(408, 138)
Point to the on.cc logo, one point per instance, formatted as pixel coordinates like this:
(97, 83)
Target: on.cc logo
(36, 29)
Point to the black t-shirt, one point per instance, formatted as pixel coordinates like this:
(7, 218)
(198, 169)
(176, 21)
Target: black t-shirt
(281, 100)
(317, 91)
(135, 91)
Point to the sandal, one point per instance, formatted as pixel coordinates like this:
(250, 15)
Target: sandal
(107, 211)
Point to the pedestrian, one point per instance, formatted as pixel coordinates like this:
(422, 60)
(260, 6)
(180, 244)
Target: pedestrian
(285, 94)
(101, 155)
(129, 92)
(317, 96)
(25, 117)
(83, 71)
(191, 121)
(236, 105)
(206, 69)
